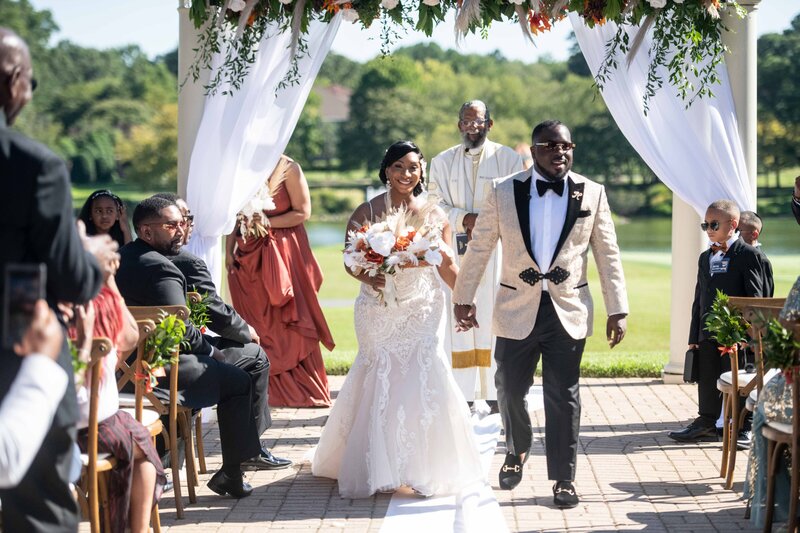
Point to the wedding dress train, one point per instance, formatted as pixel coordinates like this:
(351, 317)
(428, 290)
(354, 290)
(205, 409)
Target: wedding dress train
(400, 419)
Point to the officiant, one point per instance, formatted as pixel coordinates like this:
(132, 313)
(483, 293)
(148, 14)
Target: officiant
(460, 177)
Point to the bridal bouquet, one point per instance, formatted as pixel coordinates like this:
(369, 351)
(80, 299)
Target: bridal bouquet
(253, 223)
(392, 243)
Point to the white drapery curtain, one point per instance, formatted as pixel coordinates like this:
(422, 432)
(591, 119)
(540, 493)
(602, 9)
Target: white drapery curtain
(696, 152)
(242, 136)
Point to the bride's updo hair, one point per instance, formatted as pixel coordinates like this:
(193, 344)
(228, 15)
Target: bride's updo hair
(397, 151)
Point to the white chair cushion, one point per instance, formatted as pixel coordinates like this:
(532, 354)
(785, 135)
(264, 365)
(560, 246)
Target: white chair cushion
(752, 400)
(744, 377)
(148, 415)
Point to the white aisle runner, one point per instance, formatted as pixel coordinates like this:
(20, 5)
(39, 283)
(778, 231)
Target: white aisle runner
(475, 509)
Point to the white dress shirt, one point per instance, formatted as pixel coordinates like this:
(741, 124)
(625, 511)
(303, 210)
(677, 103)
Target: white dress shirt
(547, 216)
(717, 256)
(26, 414)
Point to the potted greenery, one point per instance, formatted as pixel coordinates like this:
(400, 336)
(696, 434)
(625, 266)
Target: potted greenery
(781, 349)
(726, 325)
(161, 349)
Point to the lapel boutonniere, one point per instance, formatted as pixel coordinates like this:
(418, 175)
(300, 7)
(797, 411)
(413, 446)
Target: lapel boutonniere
(577, 195)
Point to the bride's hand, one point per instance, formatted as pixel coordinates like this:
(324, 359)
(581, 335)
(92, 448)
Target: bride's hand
(377, 282)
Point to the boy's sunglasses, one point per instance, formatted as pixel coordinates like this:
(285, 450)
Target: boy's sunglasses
(714, 225)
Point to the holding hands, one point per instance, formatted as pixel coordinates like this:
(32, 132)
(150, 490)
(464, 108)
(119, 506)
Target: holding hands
(465, 317)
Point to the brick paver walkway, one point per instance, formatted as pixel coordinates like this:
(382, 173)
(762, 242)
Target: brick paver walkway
(630, 476)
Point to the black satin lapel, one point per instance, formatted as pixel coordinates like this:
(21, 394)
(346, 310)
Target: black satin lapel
(522, 199)
(575, 195)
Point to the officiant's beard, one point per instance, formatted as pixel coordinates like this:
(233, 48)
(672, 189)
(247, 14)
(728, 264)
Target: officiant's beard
(473, 140)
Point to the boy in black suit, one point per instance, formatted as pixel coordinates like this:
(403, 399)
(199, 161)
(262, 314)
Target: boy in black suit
(735, 268)
(750, 226)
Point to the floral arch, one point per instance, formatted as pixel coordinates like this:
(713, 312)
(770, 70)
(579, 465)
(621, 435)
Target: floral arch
(686, 41)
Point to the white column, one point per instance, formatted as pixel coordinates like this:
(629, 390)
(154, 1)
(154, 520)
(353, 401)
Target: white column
(191, 96)
(687, 240)
(741, 62)
(687, 243)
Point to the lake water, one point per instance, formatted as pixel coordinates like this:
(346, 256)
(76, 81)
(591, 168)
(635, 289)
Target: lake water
(780, 236)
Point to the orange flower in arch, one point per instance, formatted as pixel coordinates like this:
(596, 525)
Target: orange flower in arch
(539, 22)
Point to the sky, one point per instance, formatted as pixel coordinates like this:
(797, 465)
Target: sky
(153, 25)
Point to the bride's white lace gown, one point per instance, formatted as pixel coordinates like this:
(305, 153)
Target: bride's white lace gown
(399, 418)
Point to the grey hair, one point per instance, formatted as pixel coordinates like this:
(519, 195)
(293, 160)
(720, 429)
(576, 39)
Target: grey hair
(480, 104)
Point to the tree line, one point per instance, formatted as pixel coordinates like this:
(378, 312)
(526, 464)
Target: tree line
(112, 114)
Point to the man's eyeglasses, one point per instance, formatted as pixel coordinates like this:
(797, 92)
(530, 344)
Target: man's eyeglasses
(169, 226)
(469, 123)
(188, 221)
(714, 225)
(551, 146)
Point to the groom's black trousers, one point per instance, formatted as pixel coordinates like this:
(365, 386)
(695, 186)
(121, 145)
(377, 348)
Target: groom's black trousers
(561, 361)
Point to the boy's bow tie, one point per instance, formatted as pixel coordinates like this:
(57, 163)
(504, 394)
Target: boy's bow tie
(719, 247)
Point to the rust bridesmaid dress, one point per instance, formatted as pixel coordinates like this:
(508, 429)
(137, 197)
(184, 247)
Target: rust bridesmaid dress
(275, 290)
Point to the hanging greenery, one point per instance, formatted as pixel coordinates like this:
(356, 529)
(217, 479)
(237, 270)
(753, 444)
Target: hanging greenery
(687, 34)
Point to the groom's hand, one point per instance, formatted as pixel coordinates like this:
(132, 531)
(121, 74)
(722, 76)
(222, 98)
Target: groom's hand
(465, 317)
(615, 329)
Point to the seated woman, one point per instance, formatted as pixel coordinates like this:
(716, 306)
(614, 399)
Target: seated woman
(138, 479)
(104, 213)
(774, 405)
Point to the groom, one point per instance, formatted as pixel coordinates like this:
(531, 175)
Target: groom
(546, 218)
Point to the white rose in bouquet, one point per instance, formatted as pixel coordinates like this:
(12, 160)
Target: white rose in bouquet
(389, 4)
(433, 257)
(431, 2)
(657, 4)
(382, 242)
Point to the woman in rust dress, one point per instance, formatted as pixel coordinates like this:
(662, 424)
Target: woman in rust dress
(274, 279)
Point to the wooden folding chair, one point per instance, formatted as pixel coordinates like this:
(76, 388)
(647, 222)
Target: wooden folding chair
(94, 486)
(133, 404)
(736, 384)
(179, 416)
(779, 437)
(196, 298)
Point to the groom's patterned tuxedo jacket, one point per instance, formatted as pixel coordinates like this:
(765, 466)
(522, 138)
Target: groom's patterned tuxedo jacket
(506, 216)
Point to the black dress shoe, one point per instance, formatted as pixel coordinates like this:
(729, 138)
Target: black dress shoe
(694, 433)
(223, 484)
(564, 495)
(510, 472)
(266, 461)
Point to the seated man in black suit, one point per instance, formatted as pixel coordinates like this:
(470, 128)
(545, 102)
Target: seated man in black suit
(147, 277)
(237, 341)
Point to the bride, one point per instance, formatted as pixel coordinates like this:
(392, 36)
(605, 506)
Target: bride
(400, 419)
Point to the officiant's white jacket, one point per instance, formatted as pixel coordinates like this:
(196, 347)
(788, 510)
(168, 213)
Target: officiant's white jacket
(505, 217)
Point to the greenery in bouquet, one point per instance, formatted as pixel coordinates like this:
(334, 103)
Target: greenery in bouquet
(781, 350)
(198, 311)
(687, 34)
(726, 324)
(161, 348)
(79, 362)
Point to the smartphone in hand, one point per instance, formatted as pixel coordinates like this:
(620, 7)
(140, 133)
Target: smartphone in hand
(24, 285)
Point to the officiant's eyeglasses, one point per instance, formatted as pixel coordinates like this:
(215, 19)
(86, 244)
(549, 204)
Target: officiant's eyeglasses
(188, 221)
(551, 146)
(714, 225)
(468, 123)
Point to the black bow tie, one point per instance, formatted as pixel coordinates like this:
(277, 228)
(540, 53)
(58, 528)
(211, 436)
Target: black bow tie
(557, 186)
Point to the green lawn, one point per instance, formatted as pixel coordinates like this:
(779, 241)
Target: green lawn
(644, 351)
